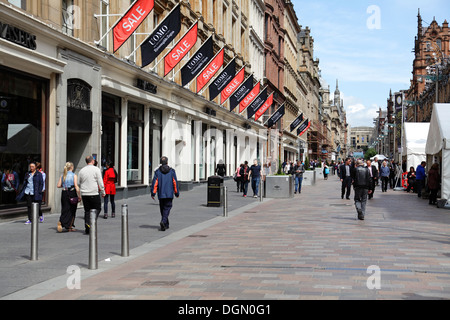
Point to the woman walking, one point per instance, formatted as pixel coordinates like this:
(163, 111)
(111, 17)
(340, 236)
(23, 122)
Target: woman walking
(244, 178)
(70, 197)
(109, 180)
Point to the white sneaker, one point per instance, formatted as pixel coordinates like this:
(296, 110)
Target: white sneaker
(28, 222)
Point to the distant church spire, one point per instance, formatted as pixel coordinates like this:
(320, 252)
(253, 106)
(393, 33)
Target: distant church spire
(337, 95)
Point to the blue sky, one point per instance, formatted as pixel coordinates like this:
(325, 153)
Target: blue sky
(368, 46)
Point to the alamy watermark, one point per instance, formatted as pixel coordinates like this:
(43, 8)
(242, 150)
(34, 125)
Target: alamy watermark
(374, 280)
(74, 280)
(374, 20)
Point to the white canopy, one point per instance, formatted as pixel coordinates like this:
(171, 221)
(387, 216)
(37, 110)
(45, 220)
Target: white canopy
(379, 156)
(439, 141)
(414, 142)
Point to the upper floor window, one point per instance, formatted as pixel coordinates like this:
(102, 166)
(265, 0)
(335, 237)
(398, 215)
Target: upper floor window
(67, 17)
(104, 25)
(19, 3)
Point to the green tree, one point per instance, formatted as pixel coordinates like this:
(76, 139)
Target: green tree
(370, 153)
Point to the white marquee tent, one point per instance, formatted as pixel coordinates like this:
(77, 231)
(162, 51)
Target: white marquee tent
(414, 143)
(438, 144)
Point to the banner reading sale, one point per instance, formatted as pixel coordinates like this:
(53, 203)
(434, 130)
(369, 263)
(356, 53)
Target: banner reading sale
(130, 21)
(181, 49)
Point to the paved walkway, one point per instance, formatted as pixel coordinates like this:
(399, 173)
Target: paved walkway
(309, 247)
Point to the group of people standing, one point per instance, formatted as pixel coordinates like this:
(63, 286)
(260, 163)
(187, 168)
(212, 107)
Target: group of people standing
(419, 179)
(366, 176)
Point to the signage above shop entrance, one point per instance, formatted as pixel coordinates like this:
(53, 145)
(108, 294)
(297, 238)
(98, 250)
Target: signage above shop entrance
(17, 36)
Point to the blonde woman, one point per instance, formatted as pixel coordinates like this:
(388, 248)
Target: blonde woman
(70, 197)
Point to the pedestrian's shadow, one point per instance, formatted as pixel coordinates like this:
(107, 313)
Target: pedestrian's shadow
(146, 226)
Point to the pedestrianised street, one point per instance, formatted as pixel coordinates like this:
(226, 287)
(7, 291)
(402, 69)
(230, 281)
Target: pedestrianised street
(308, 247)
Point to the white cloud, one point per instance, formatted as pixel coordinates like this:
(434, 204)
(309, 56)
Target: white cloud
(358, 113)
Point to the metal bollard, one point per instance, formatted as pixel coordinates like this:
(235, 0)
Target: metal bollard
(93, 255)
(225, 201)
(261, 191)
(34, 231)
(125, 238)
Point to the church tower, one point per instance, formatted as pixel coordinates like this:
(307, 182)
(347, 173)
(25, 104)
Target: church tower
(337, 95)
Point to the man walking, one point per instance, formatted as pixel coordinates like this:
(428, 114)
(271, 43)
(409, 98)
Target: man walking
(362, 184)
(298, 174)
(91, 183)
(255, 174)
(373, 173)
(345, 173)
(165, 184)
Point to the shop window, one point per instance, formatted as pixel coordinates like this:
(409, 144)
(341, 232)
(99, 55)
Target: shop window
(111, 106)
(155, 141)
(135, 143)
(22, 137)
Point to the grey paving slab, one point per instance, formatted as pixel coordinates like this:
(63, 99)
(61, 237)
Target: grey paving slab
(308, 247)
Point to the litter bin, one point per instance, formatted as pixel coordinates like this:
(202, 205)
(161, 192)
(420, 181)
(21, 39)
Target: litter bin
(215, 184)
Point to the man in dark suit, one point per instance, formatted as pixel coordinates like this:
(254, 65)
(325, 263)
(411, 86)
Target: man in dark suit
(345, 174)
(373, 174)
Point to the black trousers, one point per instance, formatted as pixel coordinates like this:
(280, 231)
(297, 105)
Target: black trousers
(433, 196)
(384, 183)
(420, 184)
(346, 184)
(165, 205)
(90, 203)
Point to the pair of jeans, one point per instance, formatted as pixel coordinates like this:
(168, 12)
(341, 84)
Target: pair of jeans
(361, 200)
(244, 187)
(298, 184)
(109, 197)
(255, 185)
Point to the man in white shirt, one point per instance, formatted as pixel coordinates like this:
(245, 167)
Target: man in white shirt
(91, 183)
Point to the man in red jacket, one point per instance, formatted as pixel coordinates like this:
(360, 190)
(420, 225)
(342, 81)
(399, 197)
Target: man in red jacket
(165, 184)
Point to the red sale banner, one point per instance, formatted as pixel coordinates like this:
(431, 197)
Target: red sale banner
(130, 21)
(210, 70)
(264, 108)
(181, 49)
(232, 86)
(250, 97)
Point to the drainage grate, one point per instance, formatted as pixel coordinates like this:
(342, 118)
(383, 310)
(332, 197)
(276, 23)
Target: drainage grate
(197, 236)
(340, 205)
(160, 283)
